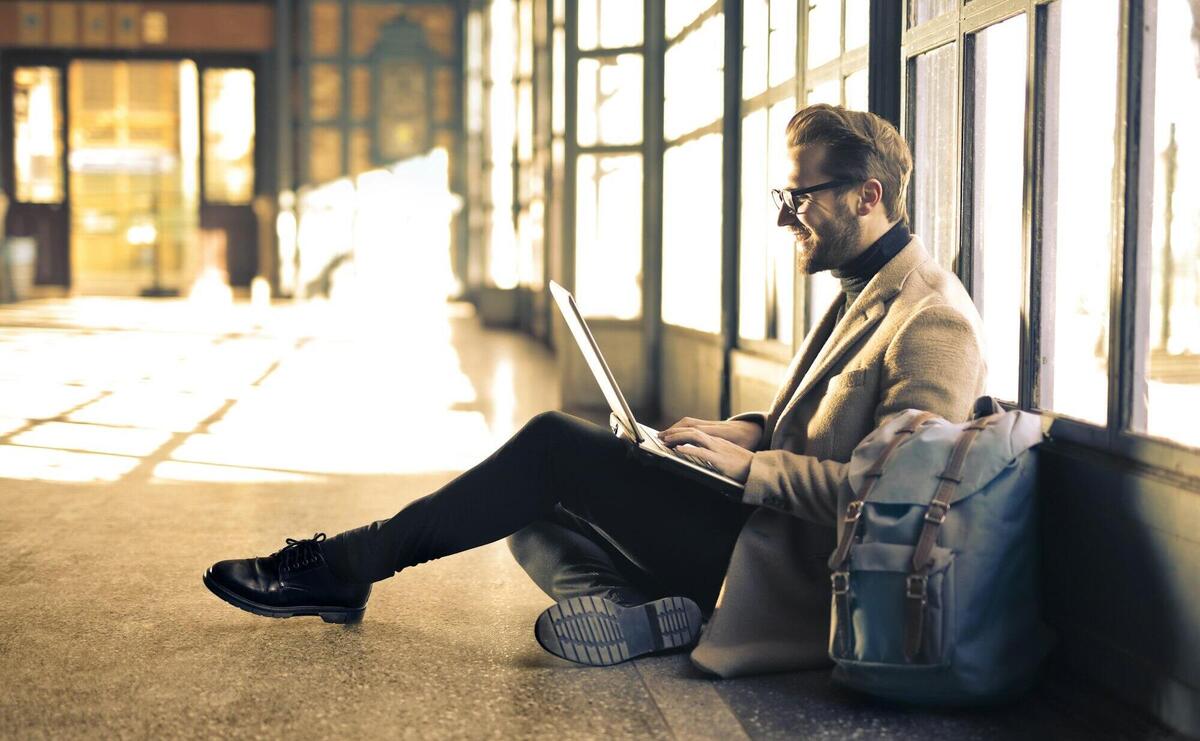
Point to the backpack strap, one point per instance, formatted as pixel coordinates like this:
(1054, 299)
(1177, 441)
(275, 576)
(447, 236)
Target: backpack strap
(840, 576)
(915, 592)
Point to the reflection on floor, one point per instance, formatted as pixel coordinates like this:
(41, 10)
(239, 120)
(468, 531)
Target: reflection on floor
(141, 441)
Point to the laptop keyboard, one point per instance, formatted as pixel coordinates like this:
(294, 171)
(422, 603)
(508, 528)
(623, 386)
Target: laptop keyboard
(652, 436)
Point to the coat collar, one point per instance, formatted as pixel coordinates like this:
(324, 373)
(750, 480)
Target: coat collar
(867, 310)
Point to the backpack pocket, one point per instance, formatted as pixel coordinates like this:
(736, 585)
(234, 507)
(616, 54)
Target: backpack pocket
(869, 620)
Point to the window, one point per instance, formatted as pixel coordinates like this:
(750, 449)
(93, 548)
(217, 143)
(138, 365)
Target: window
(228, 135)
(692, 109)
(608, 232)
(1173, 361)
(933, 139)
(836, 73)
(1044, 218)
(37, 134)
(998, 159)
(1077, 234)
(502, 263)
(608, 160)
(769, 82)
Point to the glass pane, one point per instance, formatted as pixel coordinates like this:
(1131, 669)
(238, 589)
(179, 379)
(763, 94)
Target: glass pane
(757, 212)
(682, 12)
(1080, 127)
(783, 41)
(920, 11)
(856, 91)
(999, 178)
(502, 269)
(756, 31)
(1174, 360)
(228, 135)
(691, 295)
(607, 24)
(858, 14)
(935, 163)
(360, 92)
(608, 235)
(558, 104)
(325, 92)
(37, 134)
(695, 79)
(824, 31)
(780, 243)
(324, 154)
(826, 92)
(325, 24)
(610, 100)
(360, 150)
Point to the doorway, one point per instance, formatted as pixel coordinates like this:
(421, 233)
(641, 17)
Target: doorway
(133, 171)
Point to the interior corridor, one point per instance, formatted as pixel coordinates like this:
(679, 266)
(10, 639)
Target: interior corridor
(147, 439)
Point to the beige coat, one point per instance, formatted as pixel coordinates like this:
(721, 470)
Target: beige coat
(912, 339)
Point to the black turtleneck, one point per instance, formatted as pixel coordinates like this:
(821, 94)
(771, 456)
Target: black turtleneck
(856, 274)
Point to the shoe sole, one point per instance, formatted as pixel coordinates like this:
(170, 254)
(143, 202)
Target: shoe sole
(599, 632)
(341, 615)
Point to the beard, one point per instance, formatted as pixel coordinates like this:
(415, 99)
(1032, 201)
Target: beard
(829, 245)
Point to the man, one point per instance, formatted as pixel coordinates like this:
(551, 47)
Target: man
(637, 555)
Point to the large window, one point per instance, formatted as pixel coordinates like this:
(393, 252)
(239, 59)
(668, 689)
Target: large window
(1076, 232)
(998, 130)
(835, 60)
(1022, 183)
(228, 135)
(1173, 333)
(37, 134)
(692, 110)
(608, 165)
(766, 274)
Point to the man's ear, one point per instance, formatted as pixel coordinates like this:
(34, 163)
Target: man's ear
(870, 196)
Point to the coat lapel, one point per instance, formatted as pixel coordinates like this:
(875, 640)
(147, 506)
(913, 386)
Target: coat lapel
(862, 317)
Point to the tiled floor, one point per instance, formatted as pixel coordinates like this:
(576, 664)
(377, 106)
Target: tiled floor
(141, 441)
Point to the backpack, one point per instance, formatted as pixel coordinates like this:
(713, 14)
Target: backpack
(935, 598)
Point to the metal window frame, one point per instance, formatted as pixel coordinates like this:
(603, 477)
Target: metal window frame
(1131, 215)
(772, 346)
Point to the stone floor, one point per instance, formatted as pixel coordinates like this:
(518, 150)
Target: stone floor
(141, 441)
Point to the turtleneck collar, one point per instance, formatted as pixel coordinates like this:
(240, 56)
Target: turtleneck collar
(855, 274)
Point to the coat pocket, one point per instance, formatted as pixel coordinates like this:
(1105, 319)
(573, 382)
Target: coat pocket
(870, 627)
(847, 379)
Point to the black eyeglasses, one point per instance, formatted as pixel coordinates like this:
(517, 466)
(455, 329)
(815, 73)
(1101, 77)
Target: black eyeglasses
(796, 200)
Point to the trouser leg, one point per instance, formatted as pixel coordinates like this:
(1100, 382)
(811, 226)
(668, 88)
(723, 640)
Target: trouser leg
(567, 557)
(677, 530)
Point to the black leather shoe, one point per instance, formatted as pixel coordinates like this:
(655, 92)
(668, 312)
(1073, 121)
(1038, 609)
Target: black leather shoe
(600, 632)
(292, 581)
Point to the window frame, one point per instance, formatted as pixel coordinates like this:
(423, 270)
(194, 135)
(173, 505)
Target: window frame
(1131, 214)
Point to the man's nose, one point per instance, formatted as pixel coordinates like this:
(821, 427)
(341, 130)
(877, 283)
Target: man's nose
(786, 217)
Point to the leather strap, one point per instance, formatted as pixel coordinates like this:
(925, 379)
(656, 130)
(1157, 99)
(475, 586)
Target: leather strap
(916, 586)
(841, 577)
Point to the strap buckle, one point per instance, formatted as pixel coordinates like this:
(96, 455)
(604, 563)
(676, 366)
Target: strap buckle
(854, 511)
(936, 513)
(841, 582)
(916, 587)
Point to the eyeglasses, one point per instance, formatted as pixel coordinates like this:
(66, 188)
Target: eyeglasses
(797, 200)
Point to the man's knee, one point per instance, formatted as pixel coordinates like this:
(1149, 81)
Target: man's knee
(547, 424)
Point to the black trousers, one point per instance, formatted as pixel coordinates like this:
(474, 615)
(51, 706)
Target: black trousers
(584, 514)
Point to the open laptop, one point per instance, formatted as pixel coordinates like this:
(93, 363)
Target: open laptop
(646, 438)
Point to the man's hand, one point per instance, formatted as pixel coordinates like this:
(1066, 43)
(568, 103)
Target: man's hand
(741, 432)
(720, 454)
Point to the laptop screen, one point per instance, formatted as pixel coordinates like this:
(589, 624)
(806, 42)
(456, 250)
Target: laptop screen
(595, 361)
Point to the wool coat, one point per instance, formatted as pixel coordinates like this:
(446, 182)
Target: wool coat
(911, 340)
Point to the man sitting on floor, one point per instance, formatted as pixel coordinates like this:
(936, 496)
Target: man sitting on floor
(637, 555)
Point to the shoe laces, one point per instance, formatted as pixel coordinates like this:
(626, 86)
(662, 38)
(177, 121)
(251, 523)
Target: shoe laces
(299, 554)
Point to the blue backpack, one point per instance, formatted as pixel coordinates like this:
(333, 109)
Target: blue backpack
(935, 592)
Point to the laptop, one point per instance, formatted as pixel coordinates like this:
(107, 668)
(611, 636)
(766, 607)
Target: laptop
(622, 419)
